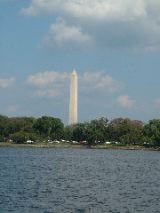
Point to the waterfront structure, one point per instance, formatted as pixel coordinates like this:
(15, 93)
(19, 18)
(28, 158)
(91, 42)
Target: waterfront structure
(73, 105)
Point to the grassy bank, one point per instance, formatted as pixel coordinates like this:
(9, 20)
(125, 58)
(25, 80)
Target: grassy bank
(64, 145)
(40, 145)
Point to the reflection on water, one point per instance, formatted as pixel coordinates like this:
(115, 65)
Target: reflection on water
(79, 181)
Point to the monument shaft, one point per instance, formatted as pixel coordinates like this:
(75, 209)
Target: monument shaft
(73, 108)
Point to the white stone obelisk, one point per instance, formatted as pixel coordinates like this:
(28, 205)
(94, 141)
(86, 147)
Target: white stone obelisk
(73, 106)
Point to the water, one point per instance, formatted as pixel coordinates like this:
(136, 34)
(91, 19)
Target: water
(38, 180)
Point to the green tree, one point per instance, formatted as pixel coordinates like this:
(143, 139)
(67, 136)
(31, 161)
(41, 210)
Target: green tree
(49, 127)
(97, 131)
(3, 123)
(79, 132)
(126, 131)
(19, 137)
(152, 132)
(57, 129)
(68, 132)
(22, 137)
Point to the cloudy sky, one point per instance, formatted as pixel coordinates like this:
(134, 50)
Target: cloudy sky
(113, 44)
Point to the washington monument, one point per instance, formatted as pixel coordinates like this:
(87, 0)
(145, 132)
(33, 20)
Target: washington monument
(73, 105)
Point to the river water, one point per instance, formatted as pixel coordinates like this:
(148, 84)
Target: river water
(41, 180)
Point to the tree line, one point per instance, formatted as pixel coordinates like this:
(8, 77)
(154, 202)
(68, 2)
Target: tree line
(45, 128)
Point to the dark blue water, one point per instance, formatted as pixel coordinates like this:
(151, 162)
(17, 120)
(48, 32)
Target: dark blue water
(38, 180)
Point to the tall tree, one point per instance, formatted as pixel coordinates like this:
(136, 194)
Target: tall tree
(126, 130)
(152, 131)
(49, 127)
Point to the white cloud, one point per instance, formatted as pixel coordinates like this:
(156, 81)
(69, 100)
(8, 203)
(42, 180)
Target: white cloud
(125, 101)
(133, 24)
(46, 78)
(100, 81)
(43, 6)
(49, 93)
(6, 82)
(49, 84)
(61, 33)
(93, 9)
(106, 10)
(54, 84)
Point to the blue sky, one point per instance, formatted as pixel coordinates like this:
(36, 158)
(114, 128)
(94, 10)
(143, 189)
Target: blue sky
(113, 45)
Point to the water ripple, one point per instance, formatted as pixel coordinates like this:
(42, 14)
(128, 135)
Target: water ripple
(79, 181)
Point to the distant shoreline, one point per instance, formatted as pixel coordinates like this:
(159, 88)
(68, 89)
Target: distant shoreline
(111, 147)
